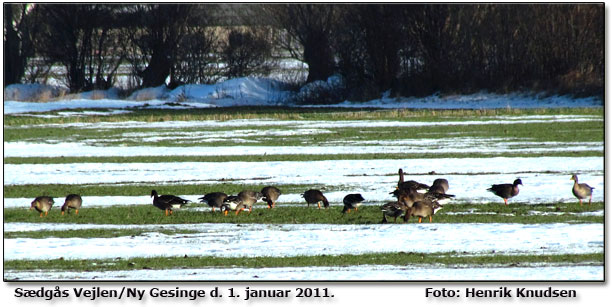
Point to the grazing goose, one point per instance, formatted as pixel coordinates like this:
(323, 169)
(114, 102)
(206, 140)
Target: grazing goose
(423, 209)
(73, 201)
(410, 184)
(441, 198)
(167, 202)
(214, 200)
(581, 190)
(315, 197)
(270, 195)
(233, 202)
(393, 209)
(352, 201)
(439, 185)
(249, 198)
(506, 190)
(42, 204)
(409, 196)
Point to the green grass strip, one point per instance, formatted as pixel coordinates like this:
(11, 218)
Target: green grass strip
(148, 214)
(59, 191)
(531, 132)
(296, 157)
(400, 259)
(291, 113)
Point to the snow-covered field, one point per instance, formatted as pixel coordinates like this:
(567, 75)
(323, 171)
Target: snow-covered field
(261, 240)
(227, 240)
(546, 179)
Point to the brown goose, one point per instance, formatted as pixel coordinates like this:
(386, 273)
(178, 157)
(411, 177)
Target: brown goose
(270, 195)
(167, 202)
(233, 202)
(315, 197)
(409, 196)
(352, 201)
(42, 204)
(506, 190)
(581, 190)
(214, 200)
(423, 209)
(73, 201)
(249, 198)
(393, 209)
(410, 184)
(439, 185)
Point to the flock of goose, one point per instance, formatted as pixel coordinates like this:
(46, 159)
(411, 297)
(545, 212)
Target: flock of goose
(413, 199)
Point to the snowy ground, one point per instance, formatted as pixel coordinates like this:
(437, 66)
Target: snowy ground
(362, 273)
(228, 240)
(546, 180)
(260, 240)
(262, 91)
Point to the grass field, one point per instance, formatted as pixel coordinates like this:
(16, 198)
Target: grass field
(300, 214)
(414, 134)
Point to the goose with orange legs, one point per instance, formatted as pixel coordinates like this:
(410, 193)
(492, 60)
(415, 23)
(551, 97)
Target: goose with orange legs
(42, 204)
(73, 201)
(423, 209)
(352, 201)
(270, 195)
(167, 202)
(249, 198)
(506, 190)
(214, 200)
(233, 203)
(315, 197)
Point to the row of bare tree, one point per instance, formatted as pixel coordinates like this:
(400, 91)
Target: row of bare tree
(408, 49)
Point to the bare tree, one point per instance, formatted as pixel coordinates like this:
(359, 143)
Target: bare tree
(20, 24)
(80, 38)
(308, 34)
(157, 34)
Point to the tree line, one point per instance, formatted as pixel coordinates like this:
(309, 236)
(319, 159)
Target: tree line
(404, 49)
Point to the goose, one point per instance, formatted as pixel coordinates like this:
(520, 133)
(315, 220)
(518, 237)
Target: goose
(270, 195)
(506, 190)
(439, 185)
(409, 196)
(167, 202)
(249, 198)
(352, 201)
(42, 204)
(73, 201)
(410, 184)
(441, 198)
(232, 202)
(581, 190)
(423, 209)
(315, 197)
(214, 200)
(393, 209)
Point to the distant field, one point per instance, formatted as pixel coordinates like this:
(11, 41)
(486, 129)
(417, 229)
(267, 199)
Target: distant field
(289, 113)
